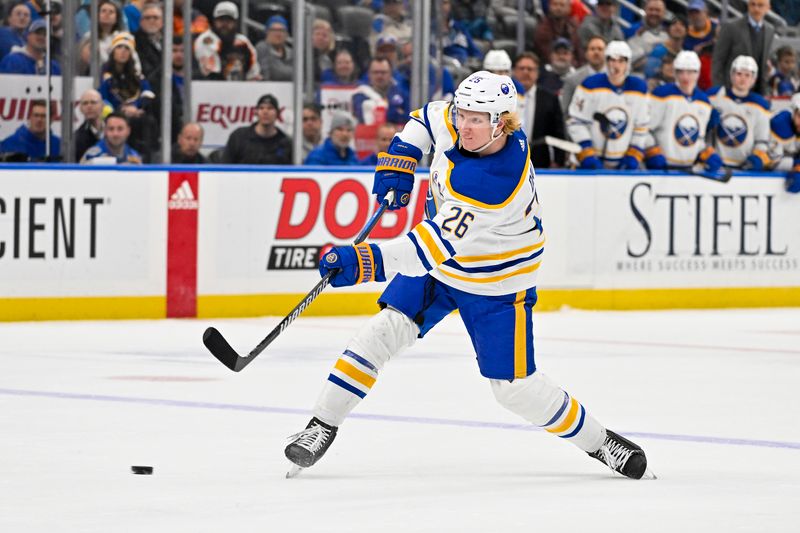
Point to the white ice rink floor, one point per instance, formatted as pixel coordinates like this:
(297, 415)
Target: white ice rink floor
(712, 397)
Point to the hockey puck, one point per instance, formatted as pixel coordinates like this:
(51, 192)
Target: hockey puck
(142, 470)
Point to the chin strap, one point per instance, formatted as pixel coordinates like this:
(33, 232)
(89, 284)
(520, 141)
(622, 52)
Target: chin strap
(487, 145)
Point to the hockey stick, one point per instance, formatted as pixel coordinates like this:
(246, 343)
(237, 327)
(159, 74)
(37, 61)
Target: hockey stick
(605, 124)
(222, 350)
(561, 144)
(722, 175)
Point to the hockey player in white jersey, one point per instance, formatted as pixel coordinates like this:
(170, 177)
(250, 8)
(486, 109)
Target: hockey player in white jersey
(680, 117)
(743, 130)
(608, 115)
(785, 147)
(478, 250)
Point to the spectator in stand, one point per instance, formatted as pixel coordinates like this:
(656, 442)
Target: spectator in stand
(199, 21)
(109, 23)
(133, 14)
(499, 62)
(312, 128)
(343, 72)
(149, 43)
(382, 94)
(457, 43)
(129, 93)
(557, 24)
(336, 148)
(595, 62)
(56, 30)
(323, 45)
(785, 81)
(383, 139)
(224, 54)
(91, 130)
(441, 81)
(751, 36)
(30, 138)
(677, 33)
(275, 57)
(665, 74)
(187, 150)
(13, 33)
(539, 111)
(261, 143)
(602, 23)
(645, 35)
(559, 67)
(392, 21)
(473, 15)
(30, 59)
(387, 47)
(700, 36)
(113, 147)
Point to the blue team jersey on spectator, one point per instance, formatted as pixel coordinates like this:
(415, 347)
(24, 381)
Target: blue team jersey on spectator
(133, 16)
(458, 43)
(700, 41)
(21, 63)
(397, 111)
(108, 95)
(23, 141)
(129, 155)
(9, 39)
(328, 154)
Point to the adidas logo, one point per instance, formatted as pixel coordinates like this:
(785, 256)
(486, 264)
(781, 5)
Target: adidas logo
(183, 197)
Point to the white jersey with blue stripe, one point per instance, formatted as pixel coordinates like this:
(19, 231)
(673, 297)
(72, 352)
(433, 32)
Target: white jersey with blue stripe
(625, 107)
(678, 123)
(483, 232)
(785, 142)
(743, 128)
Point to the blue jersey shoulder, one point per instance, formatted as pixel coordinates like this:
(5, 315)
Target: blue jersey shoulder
(597, 81)
(781, 125)
(664, 91)
(757, 99)
(635, 84)
(492, 179)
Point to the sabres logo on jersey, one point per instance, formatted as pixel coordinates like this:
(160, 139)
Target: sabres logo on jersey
(618, 123)
(687, 129)
(732, 130)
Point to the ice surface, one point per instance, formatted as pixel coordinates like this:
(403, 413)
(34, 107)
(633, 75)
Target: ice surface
(710, 395)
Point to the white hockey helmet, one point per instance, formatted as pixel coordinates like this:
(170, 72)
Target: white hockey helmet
(487, 93)
(497, 60)
(618, 49)
(744, 63)
(687, 60)
(796, 102)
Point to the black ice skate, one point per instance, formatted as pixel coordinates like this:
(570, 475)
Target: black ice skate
(308, 446)
(623, 456)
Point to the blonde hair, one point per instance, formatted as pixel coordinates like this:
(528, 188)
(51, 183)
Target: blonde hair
(512, 122)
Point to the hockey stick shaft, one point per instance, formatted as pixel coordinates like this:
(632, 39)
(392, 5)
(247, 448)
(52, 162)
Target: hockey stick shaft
(222, 350)
(561, 144)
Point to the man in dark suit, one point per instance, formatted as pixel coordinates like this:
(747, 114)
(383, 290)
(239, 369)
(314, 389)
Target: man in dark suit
(751, 36)
(540, 112)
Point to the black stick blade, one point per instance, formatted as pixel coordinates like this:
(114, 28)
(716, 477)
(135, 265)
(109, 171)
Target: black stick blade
(220, 349)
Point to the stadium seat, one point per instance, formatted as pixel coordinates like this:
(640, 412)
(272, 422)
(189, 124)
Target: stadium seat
(356, 20)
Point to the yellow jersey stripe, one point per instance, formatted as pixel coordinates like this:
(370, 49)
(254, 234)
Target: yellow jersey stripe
(526, 270)
(520, 337)
(495, 257)
(352, 372)
(573, 413)
(477, 203)
(424, 234)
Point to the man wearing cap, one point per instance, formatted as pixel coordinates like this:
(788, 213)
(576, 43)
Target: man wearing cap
(557, 24)
(261, 143)
(602, 23)
(701, 33)
(336, 148)
(30, 59)
(275, 57)
(750, 35)
(224, 54)
(392, 21)
(30, 138)
(560, 66)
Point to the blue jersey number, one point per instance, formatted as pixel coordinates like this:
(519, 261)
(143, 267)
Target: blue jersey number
(461, 219)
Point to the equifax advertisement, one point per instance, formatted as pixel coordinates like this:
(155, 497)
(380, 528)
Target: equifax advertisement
(79, 233)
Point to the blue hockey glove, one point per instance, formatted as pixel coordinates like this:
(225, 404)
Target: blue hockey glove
(753, 162)
(591, 163)
(657, 162)
(714, 162)
(793, 180)
(353, 264)
(394, 172)
(628, 163)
